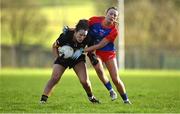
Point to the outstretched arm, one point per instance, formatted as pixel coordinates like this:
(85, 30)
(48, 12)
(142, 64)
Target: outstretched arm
(101, 44)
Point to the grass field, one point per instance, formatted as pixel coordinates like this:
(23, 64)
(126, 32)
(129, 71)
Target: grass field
(149, 91)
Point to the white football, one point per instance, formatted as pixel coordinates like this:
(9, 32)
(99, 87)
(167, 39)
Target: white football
(66, 51)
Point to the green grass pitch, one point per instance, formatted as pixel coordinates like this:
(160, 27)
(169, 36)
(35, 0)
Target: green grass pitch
(149, 91)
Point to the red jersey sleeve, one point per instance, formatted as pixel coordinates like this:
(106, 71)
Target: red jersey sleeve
(112, 36)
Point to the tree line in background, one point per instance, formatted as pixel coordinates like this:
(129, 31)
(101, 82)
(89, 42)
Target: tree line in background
(152, 23)
(148, 24)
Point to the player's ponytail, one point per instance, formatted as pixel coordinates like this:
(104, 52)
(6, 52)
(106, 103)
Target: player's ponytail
(82, 24)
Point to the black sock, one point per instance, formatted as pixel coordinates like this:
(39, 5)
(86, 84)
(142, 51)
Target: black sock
(124, 97)
(44, 98)
(108, 86)
(89, 94)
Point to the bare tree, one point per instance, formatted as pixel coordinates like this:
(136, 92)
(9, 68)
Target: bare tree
(102, 5)
(24, 24)
(151, 22)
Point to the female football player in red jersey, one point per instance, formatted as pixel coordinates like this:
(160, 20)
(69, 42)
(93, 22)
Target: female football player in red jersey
(77, 39)
(103, 31)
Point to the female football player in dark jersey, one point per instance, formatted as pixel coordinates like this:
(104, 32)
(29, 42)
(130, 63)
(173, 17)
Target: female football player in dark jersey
(77, 39)
(103, 31)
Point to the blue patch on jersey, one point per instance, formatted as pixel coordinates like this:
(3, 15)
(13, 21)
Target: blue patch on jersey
(97, 32)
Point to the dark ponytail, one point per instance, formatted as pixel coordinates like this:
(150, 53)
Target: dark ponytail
(82, 24)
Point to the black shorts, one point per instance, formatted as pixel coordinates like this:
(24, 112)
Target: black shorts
(69, 62)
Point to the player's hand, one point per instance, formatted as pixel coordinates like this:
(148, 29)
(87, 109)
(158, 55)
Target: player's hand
(60, 52)
(77, 54)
